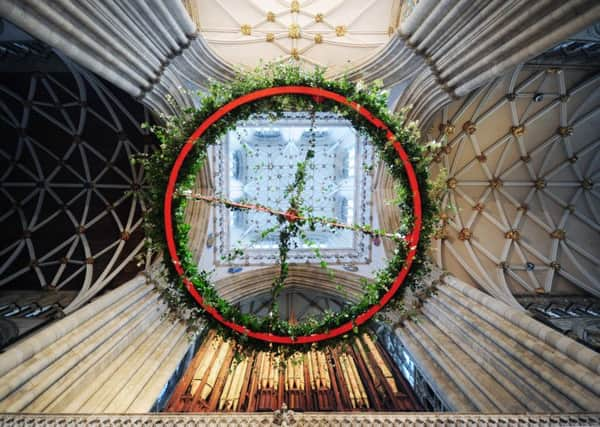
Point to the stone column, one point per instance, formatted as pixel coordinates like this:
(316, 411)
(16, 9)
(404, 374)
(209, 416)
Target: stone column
(113, 354)
(481, 354)
(150, 50)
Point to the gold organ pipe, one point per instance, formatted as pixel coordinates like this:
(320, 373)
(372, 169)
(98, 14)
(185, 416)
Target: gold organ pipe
(365, 357)
(385, 370)
(311, 374)
(239, 382)
(323, 371)
(360, 388)
(346, 375)
(224, 399)
(214, 371)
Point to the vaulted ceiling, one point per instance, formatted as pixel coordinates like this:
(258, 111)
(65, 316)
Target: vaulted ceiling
(520, 162)
(336, 34)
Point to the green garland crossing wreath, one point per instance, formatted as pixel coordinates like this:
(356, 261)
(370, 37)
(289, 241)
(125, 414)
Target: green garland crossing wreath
(272, 91)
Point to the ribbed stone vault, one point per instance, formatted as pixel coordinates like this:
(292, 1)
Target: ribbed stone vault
(520, 160)
(71, 199)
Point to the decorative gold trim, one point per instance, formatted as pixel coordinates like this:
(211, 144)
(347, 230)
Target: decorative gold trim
(270, 37)
(295, 6)
(319, 17)
(295, 54)
(318, 38)
(270, 16)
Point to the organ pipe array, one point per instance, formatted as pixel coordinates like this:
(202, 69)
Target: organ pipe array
(359, 376)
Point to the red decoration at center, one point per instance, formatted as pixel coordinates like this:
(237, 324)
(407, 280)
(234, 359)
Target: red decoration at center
(318, 95)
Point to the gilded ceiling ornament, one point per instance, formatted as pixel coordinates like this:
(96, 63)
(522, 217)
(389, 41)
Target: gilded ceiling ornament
(270, 16)
(511, 96)
(294, 31)
(452, 183)
(479, 207)
(340, 30)
(555, 265)
(481, 158)
(573, 159)
(469, 127)
(495, 182)
(512, 235)
(270, 37)
(295, 6)
(526, 158)
(391, 31)
(295, 53)
(465, 234)
(246, 29)
(587, 184)
(89, 260)
(447, 128)
(558, 234)
(565, 131)
(319, 17)
(318, 38)
(539, 184)
(441, 233)
(518, 130)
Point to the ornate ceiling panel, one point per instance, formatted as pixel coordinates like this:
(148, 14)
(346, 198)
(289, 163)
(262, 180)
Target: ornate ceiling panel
(335, 34)
(257, 162)
(522, 202)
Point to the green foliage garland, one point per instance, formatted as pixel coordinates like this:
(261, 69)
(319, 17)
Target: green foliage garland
(175, 132)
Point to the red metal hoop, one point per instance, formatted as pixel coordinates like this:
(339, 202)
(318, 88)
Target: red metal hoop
(319, 94)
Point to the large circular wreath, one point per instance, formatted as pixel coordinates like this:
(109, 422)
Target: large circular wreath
(272, 91)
